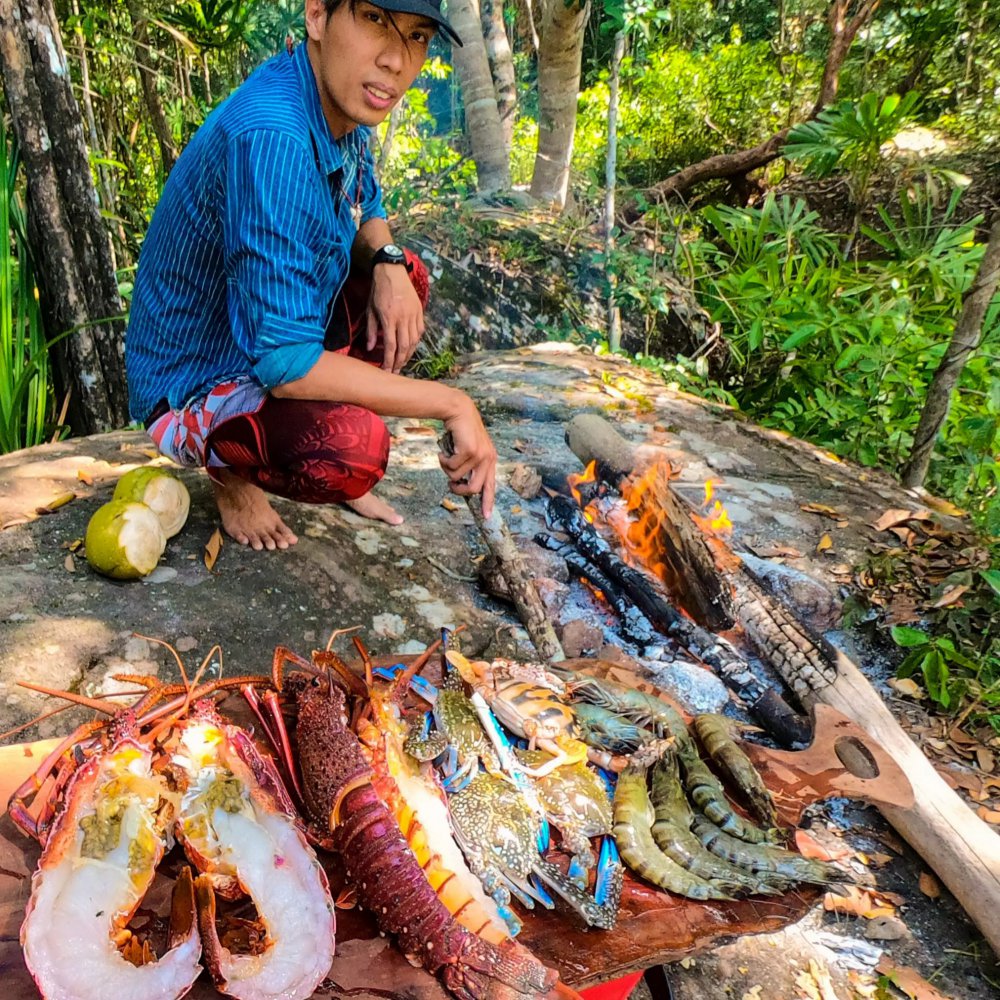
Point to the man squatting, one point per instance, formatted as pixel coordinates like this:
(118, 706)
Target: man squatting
(272, 312)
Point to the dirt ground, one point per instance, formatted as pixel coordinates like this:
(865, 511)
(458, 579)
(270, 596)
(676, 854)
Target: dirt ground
(64, 626)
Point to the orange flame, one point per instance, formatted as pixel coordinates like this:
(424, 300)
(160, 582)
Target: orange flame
(575, 479)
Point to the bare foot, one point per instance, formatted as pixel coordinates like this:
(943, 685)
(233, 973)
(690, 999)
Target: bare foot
(372, 507)
(247, 514)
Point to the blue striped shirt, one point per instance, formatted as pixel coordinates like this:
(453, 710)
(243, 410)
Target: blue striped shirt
(250, 243)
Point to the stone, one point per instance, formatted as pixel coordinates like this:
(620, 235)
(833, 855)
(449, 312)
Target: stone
(136, 649)
(553, 593)
(389, 625)
(580, 638)
(186, 643)
(886, 929)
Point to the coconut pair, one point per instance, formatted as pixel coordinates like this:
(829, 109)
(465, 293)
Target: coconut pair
(126, 537)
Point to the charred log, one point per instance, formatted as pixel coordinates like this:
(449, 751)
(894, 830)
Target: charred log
(635, 626)
(735, 672)
(781, 639)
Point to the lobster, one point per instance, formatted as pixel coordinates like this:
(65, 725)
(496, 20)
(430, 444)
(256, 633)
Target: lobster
(338, 790)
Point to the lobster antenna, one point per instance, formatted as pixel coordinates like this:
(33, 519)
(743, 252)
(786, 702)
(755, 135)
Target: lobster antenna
(339, 632)
(166, 645)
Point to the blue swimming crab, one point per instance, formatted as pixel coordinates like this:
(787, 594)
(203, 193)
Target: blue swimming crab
(576, 802)
(499, 830)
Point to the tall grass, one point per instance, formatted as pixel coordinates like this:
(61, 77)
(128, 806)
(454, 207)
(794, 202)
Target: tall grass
(25, 396)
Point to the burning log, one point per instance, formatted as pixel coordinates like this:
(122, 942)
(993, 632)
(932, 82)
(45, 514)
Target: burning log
(963, 851)
(765, 703)
(686, 562)
(635, 626)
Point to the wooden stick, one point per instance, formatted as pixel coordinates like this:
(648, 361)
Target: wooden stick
(511, 567)
(963, 851)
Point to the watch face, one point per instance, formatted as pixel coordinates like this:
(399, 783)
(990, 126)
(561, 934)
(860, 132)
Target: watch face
(391, 250)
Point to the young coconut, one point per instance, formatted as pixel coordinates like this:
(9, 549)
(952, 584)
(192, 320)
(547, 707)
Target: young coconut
(124, 540)
(163, 493)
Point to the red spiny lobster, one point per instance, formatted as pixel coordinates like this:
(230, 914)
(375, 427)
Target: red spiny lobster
(197, 777)
(340, 795)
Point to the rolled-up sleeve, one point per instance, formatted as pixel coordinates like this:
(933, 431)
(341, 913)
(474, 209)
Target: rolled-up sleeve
(371, 193)
(275, 222)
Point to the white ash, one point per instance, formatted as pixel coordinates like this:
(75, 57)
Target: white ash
(695, 688)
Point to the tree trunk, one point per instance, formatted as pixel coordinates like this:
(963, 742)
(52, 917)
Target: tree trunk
(558, 86)
(482, 114)
(390, 135)
(150, 93)
(70, 245)
(843, 30)
(610, 172)
(501, 60)
(964, 341)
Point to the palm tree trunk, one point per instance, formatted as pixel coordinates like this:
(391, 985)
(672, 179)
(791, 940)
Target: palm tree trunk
(558, 86)
(70, 246)
(964, 341)
(482, 114)
(501, 66)
(610, 175)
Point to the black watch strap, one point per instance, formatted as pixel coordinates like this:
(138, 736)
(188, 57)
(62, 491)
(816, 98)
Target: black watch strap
(389, 254)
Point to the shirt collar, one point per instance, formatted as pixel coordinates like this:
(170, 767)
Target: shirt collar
(330, 151)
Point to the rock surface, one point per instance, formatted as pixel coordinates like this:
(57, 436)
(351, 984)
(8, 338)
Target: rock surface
(63, 626)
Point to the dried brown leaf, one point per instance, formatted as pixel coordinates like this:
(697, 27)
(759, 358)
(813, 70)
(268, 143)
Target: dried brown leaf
(929, 885)
(897, 515)
(985, 759)
(822, 508)
(908, 980)
(525, 481)
(70, 563)
(944, 506)
(991, 816)
(907, 687)
(450, 504)
(826, 542)
(809, 847)
(56, 502)
(212, 549)
(857, 902)
(950, 596)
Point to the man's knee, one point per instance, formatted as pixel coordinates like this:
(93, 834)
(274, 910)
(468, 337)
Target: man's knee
(353, 458)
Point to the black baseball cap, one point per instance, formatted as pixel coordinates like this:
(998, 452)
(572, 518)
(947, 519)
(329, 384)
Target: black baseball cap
(430, 9)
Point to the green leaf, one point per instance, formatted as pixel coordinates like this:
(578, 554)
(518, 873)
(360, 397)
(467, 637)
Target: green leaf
(903, 636)
(992, 577)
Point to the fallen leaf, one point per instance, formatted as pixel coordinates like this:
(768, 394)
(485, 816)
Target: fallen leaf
(950, 596)
(810, 847)
(520, 446)
(879, 859)
(826, 542)
(929, 885)
(908, 980)
(821, 508)
(985, 759)
(419, 429)
(525, 481)
(212, 549)
(858, 903)
(84, 477)
(991, 816)
(841, 569)
(907, 687)
(70, 563)
(56, 502)
(896, 515)
(450, 504)
(944, 506)
(14, 522)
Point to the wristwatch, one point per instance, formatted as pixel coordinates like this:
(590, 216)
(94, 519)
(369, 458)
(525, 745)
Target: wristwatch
(389, 254)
